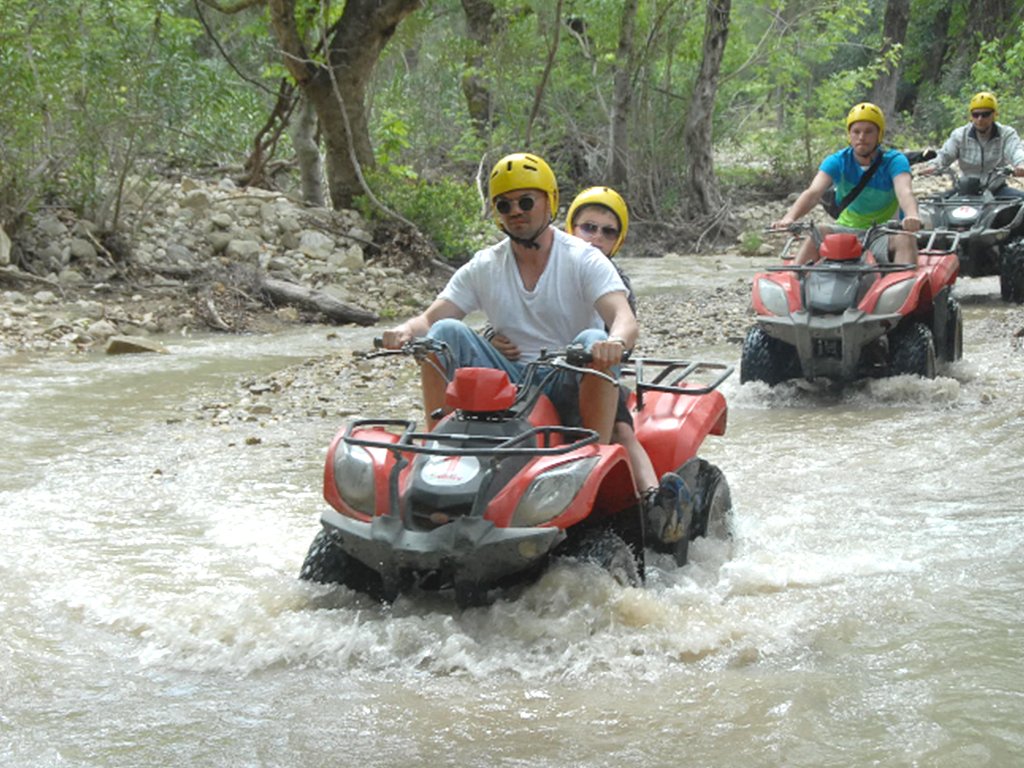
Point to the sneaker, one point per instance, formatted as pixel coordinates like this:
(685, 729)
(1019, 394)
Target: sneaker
(669, 509)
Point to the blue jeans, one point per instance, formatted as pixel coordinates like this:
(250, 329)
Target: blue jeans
(1008, 191)
(469, 349)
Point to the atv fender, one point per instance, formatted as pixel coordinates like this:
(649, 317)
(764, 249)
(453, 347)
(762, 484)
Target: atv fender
(942, 268)
(672, 427)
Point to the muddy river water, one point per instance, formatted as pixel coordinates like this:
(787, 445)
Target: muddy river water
(869, 614)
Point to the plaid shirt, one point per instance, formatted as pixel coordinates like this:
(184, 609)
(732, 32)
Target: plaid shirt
(976, 158)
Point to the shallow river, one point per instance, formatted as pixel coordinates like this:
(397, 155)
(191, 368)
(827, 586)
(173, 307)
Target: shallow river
(868, 615)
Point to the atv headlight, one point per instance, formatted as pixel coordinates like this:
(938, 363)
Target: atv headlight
(353, 477)
(892, 299)
(552, 492)
(773, 297)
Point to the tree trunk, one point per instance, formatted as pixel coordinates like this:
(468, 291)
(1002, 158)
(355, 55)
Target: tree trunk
(894, 32)
(622, 99)
(936, 31)
(307, 150)
(697, 133)
(480, 27)
(538, 96)
(338, 92)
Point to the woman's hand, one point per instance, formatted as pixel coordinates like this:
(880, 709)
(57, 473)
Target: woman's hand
(506, 347)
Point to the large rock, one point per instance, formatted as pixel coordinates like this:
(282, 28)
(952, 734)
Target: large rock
(129, 345)
(349, 258)
(248, 250)
(316, 244)
(82, 249)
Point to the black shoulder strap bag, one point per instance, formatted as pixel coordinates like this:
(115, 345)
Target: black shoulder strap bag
(834, 208)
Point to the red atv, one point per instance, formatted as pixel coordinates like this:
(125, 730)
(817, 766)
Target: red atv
(847, 317)
(499, 487)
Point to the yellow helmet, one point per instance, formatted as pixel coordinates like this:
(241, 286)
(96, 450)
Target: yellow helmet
(984, 100)
(867, 112)
(522, 170)
(610, 199)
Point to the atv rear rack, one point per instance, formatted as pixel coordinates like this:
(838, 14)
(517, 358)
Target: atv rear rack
(672, 377)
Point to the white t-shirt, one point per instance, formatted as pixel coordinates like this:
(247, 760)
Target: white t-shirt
(555, 311)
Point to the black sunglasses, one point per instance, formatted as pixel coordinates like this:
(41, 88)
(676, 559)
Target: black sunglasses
(984, 113)
(504, 205)
(593, 229)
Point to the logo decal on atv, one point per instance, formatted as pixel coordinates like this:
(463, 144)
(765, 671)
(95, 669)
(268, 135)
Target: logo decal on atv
(964, 212)
(450, 470)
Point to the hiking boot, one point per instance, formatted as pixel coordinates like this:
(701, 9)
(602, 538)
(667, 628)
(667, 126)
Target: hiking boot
(669, 509)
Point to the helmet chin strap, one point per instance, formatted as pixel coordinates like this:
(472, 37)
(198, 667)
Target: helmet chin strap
(527, 242)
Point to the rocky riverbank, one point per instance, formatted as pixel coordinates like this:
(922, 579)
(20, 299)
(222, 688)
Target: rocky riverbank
(196, 256)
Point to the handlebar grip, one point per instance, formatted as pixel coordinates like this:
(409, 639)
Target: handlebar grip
(378, 342)
(576, 354)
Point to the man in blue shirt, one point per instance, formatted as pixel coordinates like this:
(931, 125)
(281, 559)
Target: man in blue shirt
(887, 193)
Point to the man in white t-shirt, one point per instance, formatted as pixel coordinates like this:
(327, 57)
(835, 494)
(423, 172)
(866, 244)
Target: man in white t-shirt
(540, 287)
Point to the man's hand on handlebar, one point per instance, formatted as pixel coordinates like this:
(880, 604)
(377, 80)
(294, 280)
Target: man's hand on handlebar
(911, 223)
(396, 338)
(605, 354)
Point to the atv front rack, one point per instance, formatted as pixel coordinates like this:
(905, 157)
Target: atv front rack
(845, 268)
(473, 445)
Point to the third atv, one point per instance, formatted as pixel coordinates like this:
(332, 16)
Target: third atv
(989, 228)
(848, 317)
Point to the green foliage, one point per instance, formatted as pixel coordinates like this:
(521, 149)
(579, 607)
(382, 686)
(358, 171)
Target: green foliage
(97, 91)
(446, 211)
(1000, 69)
(751, 242)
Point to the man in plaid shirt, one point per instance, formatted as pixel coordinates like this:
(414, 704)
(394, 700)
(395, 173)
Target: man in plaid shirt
(983, 145)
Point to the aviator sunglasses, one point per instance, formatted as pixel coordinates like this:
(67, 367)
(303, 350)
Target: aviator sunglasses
(593, 229)
(982, 113)
(504, 205)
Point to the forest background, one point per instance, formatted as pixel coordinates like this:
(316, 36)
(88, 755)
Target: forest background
(399, 107)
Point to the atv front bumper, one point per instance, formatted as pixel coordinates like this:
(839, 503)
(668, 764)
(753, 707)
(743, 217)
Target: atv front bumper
(829, 345)
(471, 552)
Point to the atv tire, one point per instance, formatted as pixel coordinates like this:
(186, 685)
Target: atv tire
(1011, 273)
(912, 351)
(611, 552)
(767, 359)
(327, 563)
(712, 512)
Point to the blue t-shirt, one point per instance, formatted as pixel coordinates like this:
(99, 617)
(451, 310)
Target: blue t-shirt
(877, 202)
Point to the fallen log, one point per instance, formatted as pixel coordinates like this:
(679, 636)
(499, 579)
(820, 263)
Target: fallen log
(283, 292)
(15, 275)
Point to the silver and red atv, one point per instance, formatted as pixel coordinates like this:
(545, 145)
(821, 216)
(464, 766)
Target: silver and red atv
(500, 486)
(989, 229)
(848, 317)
